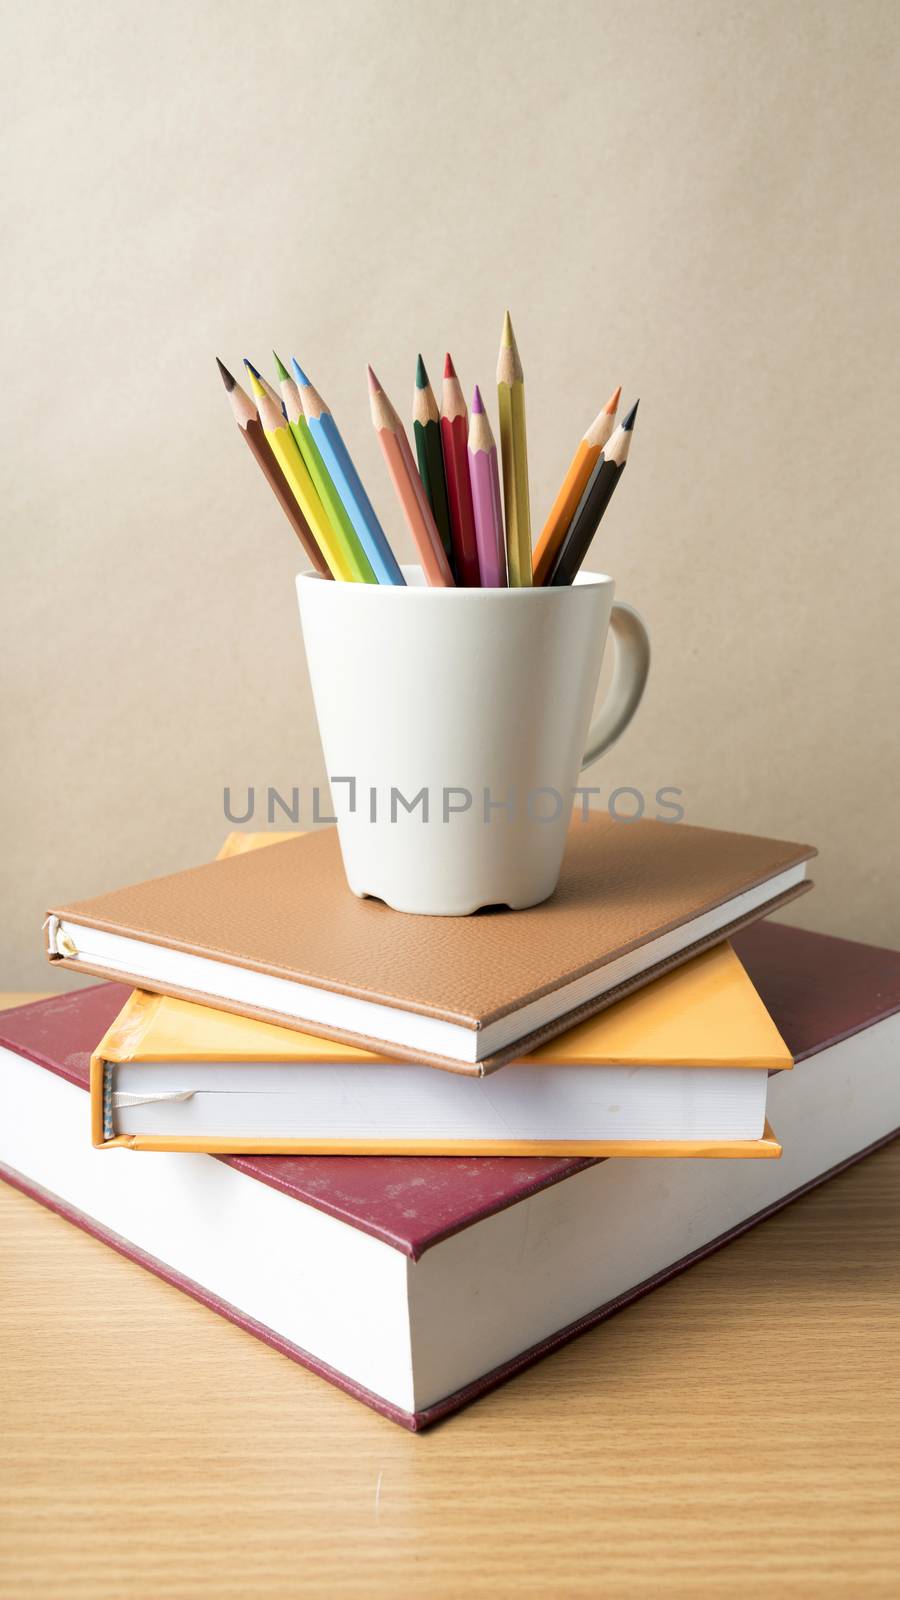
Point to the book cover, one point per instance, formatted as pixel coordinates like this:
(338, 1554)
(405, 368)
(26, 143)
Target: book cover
(276, 934)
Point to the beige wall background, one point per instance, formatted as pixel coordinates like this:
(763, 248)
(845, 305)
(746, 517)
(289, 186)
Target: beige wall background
(698, 200)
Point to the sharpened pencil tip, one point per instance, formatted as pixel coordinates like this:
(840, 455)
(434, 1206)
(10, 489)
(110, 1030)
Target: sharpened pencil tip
(421, 374)
(508, 337)
(374, 385)
(449, 368)
(628, 422)
(280, 367)
(612, 404)
(227, 379)
(477, 402)
(299, 374)
(251, 368)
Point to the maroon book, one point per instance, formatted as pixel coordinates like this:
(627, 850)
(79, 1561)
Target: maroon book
(459, 1262)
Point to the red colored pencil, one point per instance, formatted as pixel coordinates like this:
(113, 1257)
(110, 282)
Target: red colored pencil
(455, 446)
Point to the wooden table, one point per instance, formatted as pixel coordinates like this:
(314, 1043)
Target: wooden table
(735, 1433)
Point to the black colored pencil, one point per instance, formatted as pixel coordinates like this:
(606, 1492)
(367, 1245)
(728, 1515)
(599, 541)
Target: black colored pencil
(596, 498)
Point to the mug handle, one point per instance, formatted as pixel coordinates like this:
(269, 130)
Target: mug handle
(632, 645)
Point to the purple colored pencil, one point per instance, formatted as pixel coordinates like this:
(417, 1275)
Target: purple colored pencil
(486, 503)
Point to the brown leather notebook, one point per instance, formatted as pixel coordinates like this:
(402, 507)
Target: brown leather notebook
(277, 934)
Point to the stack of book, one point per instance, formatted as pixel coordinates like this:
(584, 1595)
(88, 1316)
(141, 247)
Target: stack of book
(395, 1147)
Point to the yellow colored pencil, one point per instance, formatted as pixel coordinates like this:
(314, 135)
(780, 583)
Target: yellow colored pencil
(270, 389)
(514, 453)
(332, 503)
(574, 484)
(342, 562)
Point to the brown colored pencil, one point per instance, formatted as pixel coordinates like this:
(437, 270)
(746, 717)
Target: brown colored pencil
(410, 489)
(247, 418)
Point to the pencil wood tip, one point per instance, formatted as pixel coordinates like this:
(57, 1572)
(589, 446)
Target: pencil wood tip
(628, 422)
(477, 403)
(225, 375)
(612, 404)
(255, 379)
(299, 374)
(509, 364)
(374, 385)
(421, 374)
(280, 367)
(449, 368)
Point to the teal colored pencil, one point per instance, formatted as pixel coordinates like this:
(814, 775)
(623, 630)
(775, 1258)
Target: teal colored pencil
(336, 457)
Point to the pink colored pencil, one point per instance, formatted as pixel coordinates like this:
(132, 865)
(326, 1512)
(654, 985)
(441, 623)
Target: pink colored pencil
(487, 506)
(410, 490)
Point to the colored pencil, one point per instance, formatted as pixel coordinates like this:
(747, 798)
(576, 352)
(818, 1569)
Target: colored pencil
(293, 410)
(343, 561)
(566, 504)
(454, 438)
(514, 452)
(486, 503)
(337, 459)
(429, 454)
(409, 486)
(247, 418)
(270, 389)
(605, 477)
(315, 466)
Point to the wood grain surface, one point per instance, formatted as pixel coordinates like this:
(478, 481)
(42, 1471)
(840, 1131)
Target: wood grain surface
(738, 1428)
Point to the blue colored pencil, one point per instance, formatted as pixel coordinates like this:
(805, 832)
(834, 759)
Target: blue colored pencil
(347, 481)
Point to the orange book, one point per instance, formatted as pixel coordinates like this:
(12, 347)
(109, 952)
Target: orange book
(679, 1069)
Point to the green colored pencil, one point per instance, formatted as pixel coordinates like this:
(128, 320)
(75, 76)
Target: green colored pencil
(430, 455)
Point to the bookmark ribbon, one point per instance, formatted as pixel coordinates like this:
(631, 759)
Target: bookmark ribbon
(122, 1101)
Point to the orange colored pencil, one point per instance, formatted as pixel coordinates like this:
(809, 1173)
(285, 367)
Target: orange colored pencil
(410, 489)
(582, 464)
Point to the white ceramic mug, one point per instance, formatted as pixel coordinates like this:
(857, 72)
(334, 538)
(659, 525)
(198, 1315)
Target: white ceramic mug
(454, 724)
